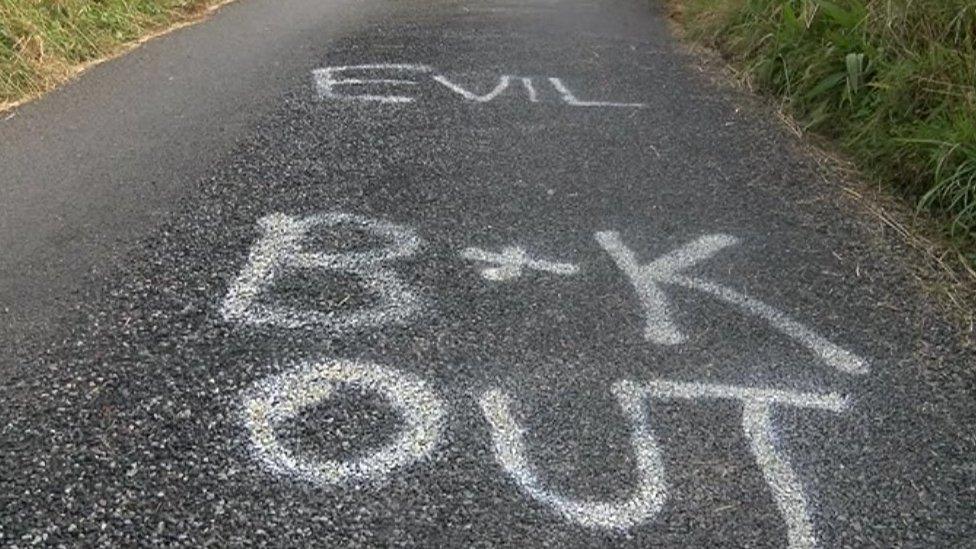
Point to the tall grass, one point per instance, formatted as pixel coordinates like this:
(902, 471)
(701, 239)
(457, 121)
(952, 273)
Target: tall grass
(893, 81)
(43, 41)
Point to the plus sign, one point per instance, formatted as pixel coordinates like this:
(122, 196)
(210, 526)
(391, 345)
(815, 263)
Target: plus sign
(512, 261)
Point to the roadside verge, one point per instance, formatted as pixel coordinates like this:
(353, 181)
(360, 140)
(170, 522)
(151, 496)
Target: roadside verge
(892, 83)
(886, 90)
(44, 44)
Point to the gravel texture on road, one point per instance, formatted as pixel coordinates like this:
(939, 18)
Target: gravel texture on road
(391, 385)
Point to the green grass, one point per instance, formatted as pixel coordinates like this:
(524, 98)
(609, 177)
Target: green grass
(892, 81)
(42, 42)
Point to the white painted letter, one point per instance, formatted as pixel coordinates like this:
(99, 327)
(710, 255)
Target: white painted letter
(530, 89)
(280, 249)
(326, 82)
(783, 483)
(571, 99)
(647, 279)
(661, 329)
(786, 488)
(501, 87)
(286, 396)
(643, 505)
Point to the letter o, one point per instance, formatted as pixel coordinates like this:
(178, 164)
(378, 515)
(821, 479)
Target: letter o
(285, 396)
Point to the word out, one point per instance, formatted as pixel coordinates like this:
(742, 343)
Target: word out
(285, 396)
(331, 83)
(283, 248)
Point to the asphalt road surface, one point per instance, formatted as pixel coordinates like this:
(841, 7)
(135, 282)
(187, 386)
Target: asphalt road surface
(455, 274)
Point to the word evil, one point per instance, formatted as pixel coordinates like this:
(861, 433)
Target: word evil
(367, 80)
(279, 398)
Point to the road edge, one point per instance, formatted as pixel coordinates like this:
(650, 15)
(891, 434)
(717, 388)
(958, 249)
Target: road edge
(8, 109)
(938, 268)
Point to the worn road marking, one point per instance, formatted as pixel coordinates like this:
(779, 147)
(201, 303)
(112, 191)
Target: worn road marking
(285, 396)
(661, 329)
(643, 505)
(511, 262)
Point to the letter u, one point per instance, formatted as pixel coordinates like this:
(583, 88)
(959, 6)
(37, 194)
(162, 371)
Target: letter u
(643, 504)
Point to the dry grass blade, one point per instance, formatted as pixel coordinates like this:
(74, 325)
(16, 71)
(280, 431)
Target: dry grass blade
(44, 43)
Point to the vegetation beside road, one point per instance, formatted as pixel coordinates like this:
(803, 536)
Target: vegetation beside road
(892, 81)
(45, 42)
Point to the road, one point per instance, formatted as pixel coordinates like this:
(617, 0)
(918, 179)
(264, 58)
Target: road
(449, 274)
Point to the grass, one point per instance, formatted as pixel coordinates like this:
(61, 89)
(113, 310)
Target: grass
(44, 42)
(892, 81)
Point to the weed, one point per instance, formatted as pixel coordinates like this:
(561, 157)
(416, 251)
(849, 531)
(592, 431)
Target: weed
(42, 42)
(894, 81)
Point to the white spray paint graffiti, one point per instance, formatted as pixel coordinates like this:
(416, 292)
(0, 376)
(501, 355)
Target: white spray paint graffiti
(786, 488)
(503, 84)
(661, 329)
(284, 397)
(530, 89)
(326, 81)
(647, 279)
(571, 99)
(280, 250)
(501, 87)
(511, 262)
(644, 504)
